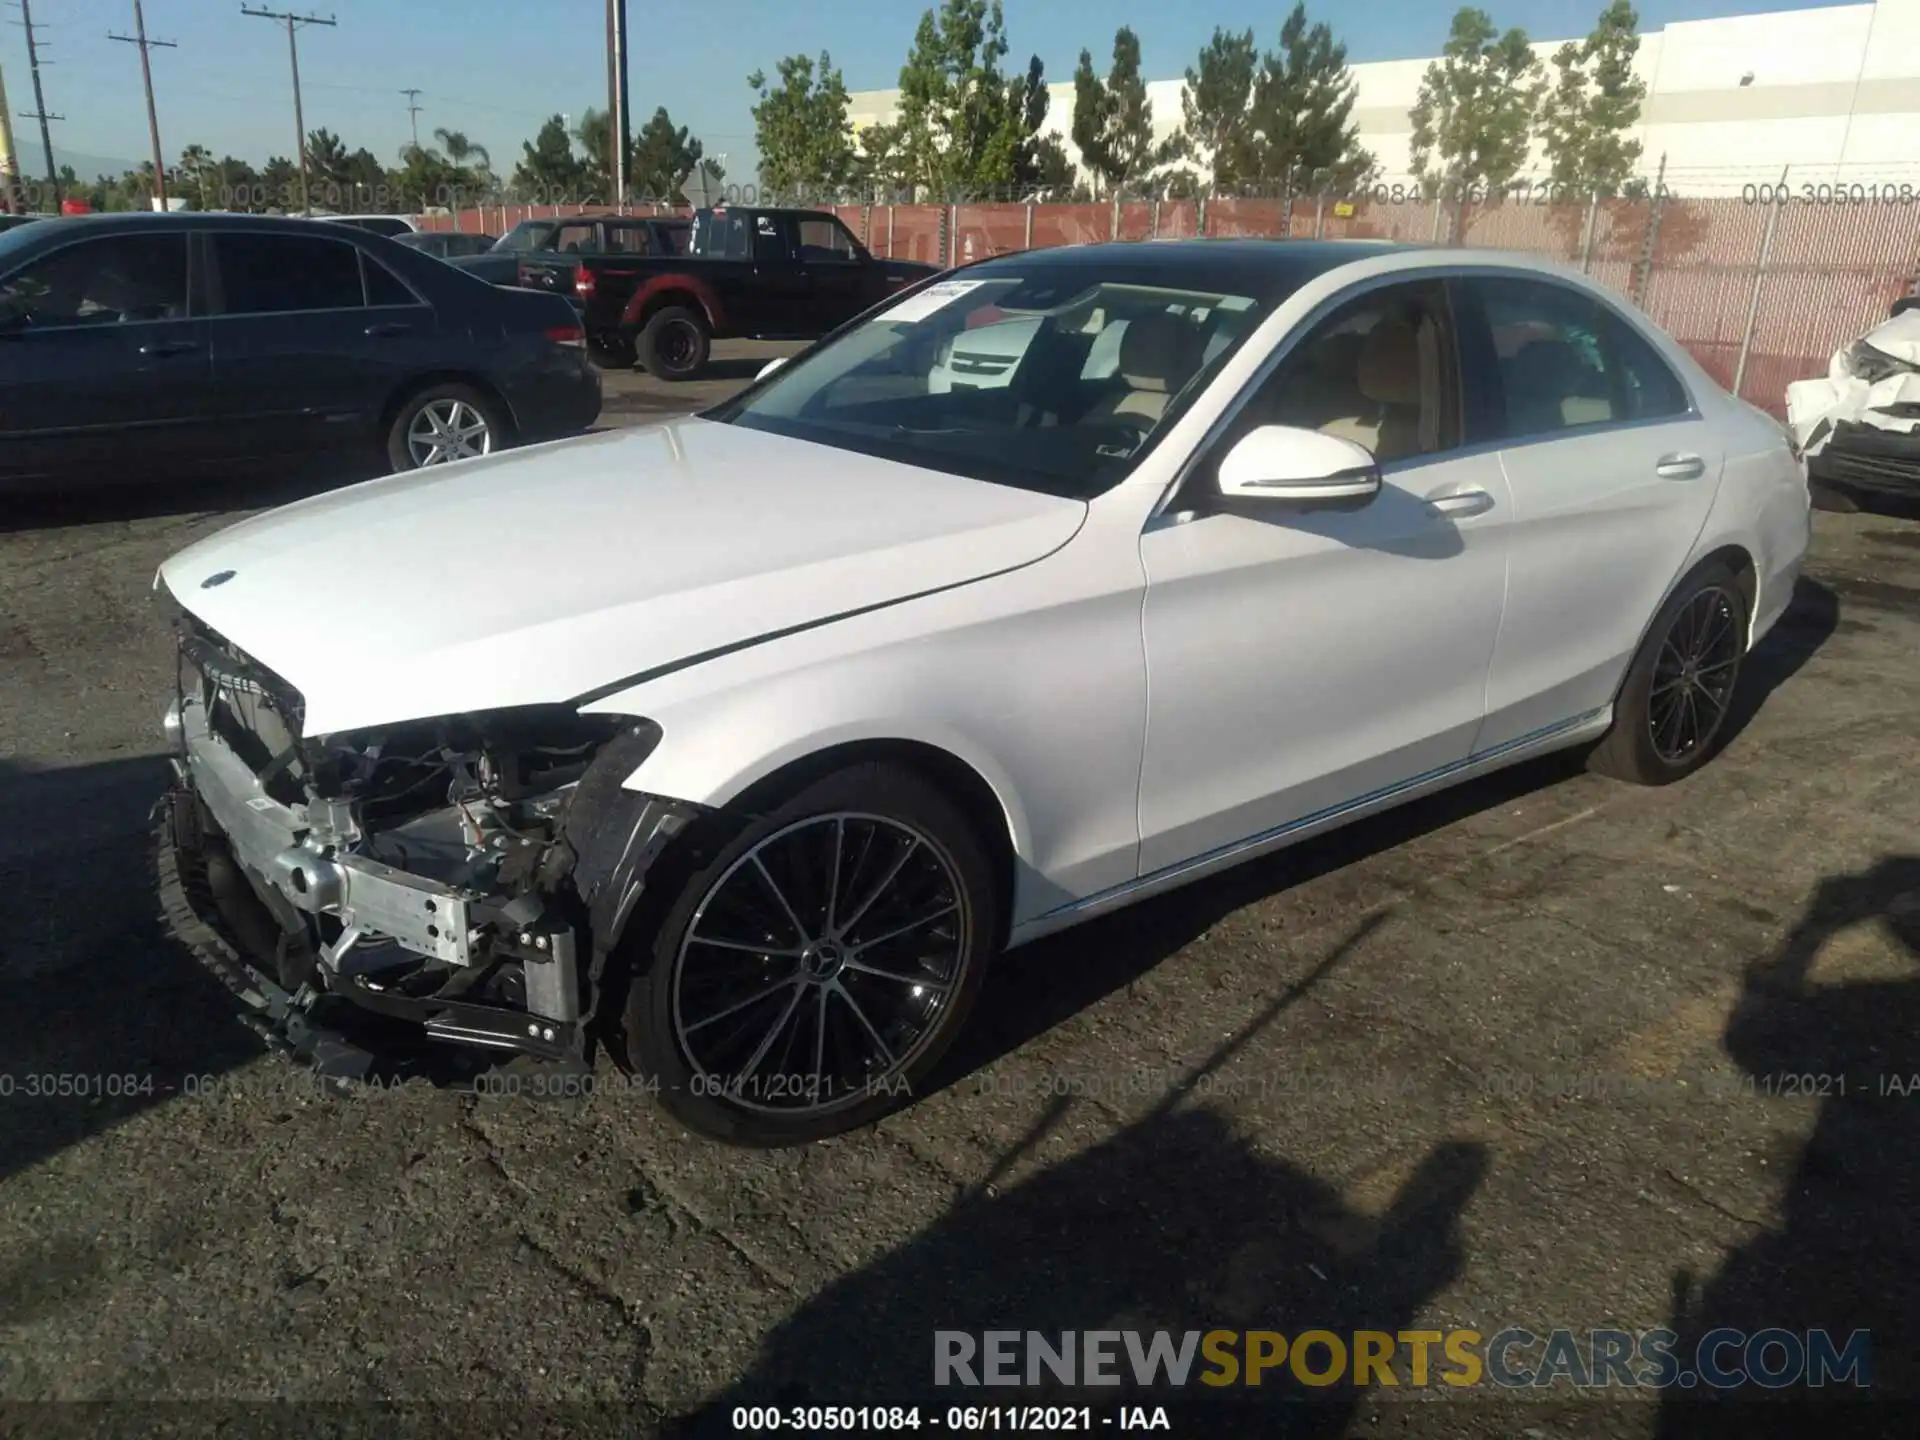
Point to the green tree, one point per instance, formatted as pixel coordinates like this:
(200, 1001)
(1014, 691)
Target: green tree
(1040, 161)
(197, 177)
(467, 156)
(426, 179)
(1216, 128)
(663, 157)
(236, 186)
(1113, 119)
(1595, 101)
(957, 130)
(800, 125)
(280, 185)
(1302, 113)
(1471, 123)
(326, 168)
(548, 168)
(594, 133)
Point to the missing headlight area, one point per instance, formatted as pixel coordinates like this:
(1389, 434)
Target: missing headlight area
(468, 873)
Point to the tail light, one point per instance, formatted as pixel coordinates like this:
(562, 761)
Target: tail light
(566, 335)
(583, 282)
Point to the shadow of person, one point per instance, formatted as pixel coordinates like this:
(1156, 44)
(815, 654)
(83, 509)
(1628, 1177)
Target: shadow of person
(1175, 1223)
(1846, 1256)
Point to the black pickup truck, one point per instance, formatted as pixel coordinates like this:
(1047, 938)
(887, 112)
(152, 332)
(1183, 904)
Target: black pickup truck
(750, 273)
(570, 236)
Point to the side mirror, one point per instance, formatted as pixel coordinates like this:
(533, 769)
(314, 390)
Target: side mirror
(1299, 467)
(771, 366)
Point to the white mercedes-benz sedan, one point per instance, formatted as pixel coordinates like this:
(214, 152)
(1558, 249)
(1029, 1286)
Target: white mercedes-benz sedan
(739, 746)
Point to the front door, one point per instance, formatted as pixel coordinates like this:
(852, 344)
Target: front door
(1301, 660)
(839, 278)
(103, 364)
(1612, 471)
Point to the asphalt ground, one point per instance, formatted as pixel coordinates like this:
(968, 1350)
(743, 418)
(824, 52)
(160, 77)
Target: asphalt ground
(1547, 1051)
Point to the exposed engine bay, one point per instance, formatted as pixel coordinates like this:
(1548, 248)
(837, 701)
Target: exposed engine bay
(470, 873)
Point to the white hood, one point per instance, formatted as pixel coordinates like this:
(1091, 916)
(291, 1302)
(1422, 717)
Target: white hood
(537, 576)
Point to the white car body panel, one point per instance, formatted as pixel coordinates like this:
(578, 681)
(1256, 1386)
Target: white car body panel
(385, 601)
(1150, 699)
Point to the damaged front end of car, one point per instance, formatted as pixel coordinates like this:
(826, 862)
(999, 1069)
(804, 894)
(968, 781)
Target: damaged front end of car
(1859, 425)
(461, 879)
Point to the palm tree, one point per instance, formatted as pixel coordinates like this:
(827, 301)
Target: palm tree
(465, 153)
(196, 167)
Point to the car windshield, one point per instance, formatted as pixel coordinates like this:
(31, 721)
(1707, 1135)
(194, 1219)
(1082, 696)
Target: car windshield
(1050, 378)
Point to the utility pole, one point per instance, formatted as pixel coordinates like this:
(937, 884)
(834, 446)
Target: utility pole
(618, 127)
(293, 23)
(139, 37)
(413, 114)
(40, 100)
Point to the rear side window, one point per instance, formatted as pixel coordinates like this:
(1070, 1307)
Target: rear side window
(575, 240)
(383, 286)
(824, 241)
(1566, 361)
(279, 274)
(724, 235)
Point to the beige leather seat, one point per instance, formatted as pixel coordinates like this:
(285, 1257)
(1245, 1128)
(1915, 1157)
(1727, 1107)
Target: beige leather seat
(1327, 388)
(1388, 376)
(1158, 356)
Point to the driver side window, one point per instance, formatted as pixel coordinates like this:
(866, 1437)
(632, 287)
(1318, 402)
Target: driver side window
(1379, 371)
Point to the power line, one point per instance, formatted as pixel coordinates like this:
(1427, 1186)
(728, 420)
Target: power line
(293, 23)
(139, 37)
(39, 98)
(413, 113)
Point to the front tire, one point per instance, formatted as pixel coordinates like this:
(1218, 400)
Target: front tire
(1670, 715)
(444, 423)
(817, 962)
(675, 344)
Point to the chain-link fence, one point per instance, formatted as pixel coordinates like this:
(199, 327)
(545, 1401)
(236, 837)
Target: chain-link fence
(1762, 287)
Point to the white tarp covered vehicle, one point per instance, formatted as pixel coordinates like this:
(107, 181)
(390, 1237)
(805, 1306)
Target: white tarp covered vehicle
(1860, 424)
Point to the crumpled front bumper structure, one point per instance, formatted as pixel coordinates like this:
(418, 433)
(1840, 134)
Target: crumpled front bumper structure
(348, 962)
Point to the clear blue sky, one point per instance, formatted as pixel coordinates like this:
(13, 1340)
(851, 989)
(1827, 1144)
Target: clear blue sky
(496, 70)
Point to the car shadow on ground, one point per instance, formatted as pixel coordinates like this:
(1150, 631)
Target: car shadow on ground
(107, 1016)
(1175, 1223)
(1847, 1219)
(213, 491)
(1810, 620)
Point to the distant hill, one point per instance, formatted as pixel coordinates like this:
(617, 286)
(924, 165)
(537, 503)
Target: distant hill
(87, 167)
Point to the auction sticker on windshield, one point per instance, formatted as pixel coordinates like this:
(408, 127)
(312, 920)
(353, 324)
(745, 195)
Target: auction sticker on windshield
(930, 300)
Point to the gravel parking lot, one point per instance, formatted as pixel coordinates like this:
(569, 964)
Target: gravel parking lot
(1545, 1051)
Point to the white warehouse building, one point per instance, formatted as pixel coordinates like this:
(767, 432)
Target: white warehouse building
(1830, 96)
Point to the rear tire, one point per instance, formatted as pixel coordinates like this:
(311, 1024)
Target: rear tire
(675, 344)
(1670, 715)
(443, 423)
(875, 901)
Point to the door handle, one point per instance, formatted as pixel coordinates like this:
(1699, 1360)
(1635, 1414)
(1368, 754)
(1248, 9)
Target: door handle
(1464, 502)
(168, 347)
(1680, 467)
(388, 329)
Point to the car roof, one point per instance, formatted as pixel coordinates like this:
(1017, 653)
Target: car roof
(1261, 268)
(135, 220)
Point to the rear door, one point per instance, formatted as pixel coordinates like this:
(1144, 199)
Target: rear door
(1612, 470)
(312, 338)
(104, 370)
